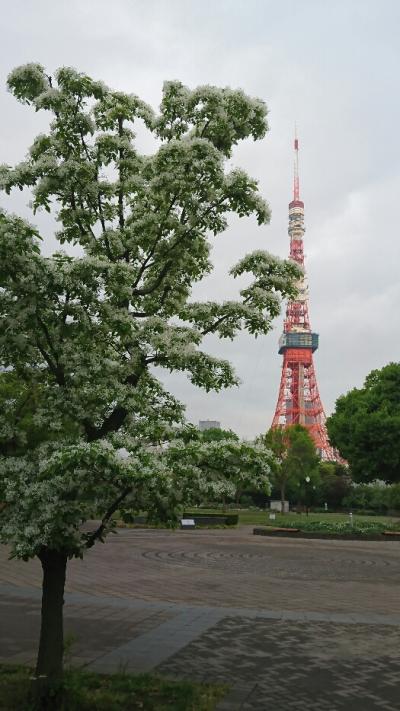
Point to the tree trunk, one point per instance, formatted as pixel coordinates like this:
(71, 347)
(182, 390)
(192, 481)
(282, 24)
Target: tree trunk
(282, 498)
(49, 666)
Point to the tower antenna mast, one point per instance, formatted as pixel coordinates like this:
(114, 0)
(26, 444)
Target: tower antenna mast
(296, 182)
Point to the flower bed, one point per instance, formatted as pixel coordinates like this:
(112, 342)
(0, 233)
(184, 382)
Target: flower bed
(359, 527)
(371, 530)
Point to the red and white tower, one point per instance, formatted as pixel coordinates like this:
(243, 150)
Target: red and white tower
(298, 400)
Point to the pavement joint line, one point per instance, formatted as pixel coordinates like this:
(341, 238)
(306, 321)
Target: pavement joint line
(236, 697)
(157, 645)
(200, 612)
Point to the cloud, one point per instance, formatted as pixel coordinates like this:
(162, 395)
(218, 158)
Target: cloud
(333, 68)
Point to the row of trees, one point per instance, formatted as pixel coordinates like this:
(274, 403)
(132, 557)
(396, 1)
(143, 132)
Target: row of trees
(365, 428)
(297, 474)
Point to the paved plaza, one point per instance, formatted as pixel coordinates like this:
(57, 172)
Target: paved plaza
(289, 625)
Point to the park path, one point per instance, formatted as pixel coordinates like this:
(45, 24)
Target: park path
(228, 606)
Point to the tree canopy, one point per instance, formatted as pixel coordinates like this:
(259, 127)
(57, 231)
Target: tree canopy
(365, 426)
(244, 463)
(295, 462)
(335, 483)
(86, 329)
(211, 434)
(82, 329)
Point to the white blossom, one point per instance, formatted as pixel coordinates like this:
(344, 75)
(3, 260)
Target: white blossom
(85, 426)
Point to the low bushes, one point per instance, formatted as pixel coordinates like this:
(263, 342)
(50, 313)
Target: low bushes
(373, 497)
(359, 527)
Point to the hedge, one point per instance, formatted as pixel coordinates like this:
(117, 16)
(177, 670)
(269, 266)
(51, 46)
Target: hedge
(229, 519)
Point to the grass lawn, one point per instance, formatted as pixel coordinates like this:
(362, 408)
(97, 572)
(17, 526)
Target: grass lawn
(86, 691)
(257, 517)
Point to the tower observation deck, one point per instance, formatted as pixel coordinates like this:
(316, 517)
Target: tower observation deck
(299, 401)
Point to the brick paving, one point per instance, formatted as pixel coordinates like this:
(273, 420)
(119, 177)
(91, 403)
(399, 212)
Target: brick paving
(289, 624)
(194, 567)
(292, 666)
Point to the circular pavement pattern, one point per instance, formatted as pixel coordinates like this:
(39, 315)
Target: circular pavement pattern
(232, 569)
(338, 567)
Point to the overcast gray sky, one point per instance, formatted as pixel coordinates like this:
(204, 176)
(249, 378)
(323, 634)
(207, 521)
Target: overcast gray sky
(331, 66)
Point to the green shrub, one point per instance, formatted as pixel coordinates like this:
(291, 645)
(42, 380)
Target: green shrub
(246, 500)
(361, 527)
(392, 497)
(373, 497)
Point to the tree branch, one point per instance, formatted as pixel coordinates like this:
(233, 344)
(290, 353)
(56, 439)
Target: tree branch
(82, 230)
(95, 535)
(54, 366)
(220, 320)
(121, 218)
(178, 241)
(67, 297)
(117, 417)
(84, 146)
(204, 128)
(149, 289)
(145, 264)
(157, 359)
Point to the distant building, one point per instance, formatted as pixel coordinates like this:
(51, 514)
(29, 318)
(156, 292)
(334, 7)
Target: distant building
(209, 425)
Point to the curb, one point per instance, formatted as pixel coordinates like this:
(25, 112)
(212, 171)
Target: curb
(297, 533)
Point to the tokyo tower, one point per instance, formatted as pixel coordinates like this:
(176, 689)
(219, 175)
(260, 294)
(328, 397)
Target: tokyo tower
(298, 400)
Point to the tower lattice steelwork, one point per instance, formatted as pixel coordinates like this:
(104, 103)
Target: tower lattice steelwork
(298, 400)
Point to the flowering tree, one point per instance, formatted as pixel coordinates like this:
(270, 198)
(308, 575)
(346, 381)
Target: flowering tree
(83, 332)
(214, 451)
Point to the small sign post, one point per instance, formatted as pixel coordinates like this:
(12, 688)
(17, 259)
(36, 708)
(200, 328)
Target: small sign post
(188, 523)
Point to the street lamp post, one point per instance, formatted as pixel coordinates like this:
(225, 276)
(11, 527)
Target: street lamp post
(307, 480)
